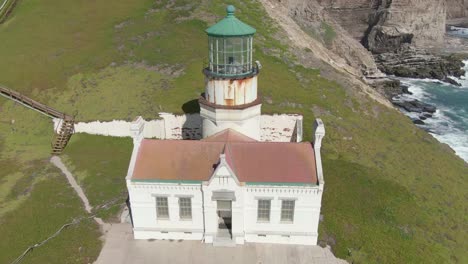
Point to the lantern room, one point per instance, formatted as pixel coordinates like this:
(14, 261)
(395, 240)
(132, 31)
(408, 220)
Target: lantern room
(230, 46)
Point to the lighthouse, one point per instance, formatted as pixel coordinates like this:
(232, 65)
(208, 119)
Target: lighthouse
(230, 99)
(231, 187)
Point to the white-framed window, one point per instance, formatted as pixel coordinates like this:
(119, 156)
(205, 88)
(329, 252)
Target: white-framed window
(162, 208)
(287, 210)
(263, 211)
(185, 208)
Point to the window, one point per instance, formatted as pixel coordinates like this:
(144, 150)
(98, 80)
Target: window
(185, 208)
(287, 210)
(162, 208)
(263, 213)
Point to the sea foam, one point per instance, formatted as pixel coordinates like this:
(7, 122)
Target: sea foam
(449, 124)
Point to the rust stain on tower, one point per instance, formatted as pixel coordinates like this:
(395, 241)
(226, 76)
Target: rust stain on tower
(231, 92)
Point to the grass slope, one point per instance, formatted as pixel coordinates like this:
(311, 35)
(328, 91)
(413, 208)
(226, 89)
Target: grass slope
(51, 204)
(100, 171)
(393, 193)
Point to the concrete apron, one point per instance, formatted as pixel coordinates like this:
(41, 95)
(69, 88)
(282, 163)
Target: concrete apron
(120, 248)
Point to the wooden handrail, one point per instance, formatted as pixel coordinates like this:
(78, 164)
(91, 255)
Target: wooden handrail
(61, 138)
(32, 103)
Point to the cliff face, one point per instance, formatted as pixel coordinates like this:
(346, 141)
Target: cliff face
(384, 25)
(420, 23)
(351, 15)
(457, 8)
(335, 42)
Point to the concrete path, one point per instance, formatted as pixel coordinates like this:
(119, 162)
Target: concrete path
(59, 164)
(120, 248)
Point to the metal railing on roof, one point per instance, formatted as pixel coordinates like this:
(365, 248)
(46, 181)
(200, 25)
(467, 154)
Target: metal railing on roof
(230, 70)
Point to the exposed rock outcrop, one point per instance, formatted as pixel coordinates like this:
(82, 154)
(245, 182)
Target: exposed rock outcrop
(351, 15)
(387, 87)
(383, 39)
(399, 33)
(395, 31)
(416, 106)
(422, 110)
(313, 19)
(302, 25)
(420, 23)
(378, 23)
(357, 15)
(457, 8)
(418, 63)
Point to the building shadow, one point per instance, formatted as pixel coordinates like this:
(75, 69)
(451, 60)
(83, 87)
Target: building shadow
(192, 127)
(129, 209)
(191, 107)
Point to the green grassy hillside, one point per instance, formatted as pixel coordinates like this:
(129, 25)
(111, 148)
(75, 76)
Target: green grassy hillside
(393, 194)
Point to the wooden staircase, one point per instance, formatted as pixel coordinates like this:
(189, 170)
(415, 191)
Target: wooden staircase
(62, 135)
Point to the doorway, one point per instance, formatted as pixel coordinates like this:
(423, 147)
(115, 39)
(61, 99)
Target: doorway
(224, 212)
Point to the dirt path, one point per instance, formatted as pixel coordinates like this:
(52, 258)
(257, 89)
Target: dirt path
(59, 164)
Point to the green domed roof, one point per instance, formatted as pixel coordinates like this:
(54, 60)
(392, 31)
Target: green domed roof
(230, 26)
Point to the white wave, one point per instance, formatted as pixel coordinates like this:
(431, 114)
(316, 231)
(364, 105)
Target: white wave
(457, 141)
(463, 80)
(445, 130)
(440, 123)
(458, 31)
(441, 126)
(417, 91)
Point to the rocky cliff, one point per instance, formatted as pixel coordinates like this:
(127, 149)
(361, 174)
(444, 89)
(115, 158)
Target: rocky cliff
(457, 8)
(351, 15)
(420, 23)
(384, 25)
(319, 42)
(331, 41)
(400, 32)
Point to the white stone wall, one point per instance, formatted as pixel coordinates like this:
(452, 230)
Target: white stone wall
(277, 128)
(302, 231)
(280, 128)
(146, 224)
(245, 227)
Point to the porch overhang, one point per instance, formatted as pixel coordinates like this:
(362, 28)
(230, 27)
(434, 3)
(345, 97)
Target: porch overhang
(223, 196)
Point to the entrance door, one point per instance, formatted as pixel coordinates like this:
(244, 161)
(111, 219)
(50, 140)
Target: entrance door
(224, 218)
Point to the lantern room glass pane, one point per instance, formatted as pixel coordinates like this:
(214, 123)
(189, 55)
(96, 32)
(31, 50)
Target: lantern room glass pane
(230, 55)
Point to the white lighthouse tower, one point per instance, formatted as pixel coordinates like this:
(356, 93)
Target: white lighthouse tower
(230, 99)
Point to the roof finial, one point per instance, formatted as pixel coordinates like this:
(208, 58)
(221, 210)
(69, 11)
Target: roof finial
(230, 9)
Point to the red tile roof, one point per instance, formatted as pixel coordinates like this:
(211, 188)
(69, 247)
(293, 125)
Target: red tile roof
(272, 162)
(251, 161)
(176, 159)
(230, 135)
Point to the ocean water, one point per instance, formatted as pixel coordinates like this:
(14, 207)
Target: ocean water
(450, 122)
(458, 32)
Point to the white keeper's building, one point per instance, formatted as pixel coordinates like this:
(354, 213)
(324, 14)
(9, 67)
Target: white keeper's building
(228, 188)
